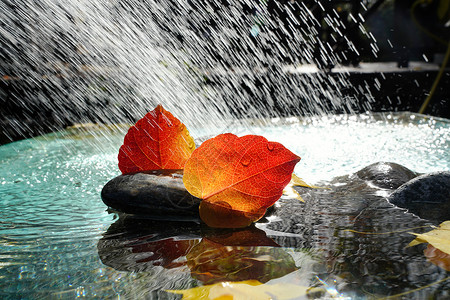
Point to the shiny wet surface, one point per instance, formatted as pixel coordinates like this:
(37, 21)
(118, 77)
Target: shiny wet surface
(59, 241)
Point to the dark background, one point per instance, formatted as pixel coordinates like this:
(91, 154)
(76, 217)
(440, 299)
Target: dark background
(404, 31)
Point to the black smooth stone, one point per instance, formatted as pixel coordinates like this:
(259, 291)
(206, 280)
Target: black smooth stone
(156, 193)
(136, 243)
(427, 196)
(386, 175)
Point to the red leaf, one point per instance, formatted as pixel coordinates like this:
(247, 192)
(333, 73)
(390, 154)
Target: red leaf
(237, 178)
(157, 141)
(438, 257)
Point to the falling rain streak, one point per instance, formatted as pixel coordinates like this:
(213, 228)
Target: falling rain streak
(113, 61)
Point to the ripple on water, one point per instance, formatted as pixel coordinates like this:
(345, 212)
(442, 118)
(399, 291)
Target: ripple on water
(52, 216)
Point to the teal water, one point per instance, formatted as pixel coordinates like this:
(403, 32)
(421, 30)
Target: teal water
(52, 217)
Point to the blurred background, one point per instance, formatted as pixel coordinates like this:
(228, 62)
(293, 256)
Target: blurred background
(113, 61)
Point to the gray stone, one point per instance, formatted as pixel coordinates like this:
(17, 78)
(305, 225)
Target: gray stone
(157, 193)
(161, 194)
(386, 175)
(427, 196)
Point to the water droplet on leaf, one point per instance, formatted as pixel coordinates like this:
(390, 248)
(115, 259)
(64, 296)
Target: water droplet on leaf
(245, 161)
(270, 146)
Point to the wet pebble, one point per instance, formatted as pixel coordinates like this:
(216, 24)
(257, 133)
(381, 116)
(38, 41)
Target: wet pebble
(386, 175)
(157, 193)
(427, 196)
(161, 193)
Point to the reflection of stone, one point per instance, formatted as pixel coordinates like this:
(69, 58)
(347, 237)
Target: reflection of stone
(132, 244)
(157, 193)
(138, 244)
(427, 196)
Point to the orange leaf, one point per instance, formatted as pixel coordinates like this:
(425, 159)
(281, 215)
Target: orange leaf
(157, 141)
(237, 176)
(437, 257)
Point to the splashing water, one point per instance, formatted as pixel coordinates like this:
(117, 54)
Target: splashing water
(113, 61)
(206, 62)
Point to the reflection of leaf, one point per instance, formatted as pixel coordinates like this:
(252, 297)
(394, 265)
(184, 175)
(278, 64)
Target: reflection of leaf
(163, 252)
(233, 174)
(439, 237)
(250, 289)
(243, 255)
(157, 141)
(247, 237)
(437, 257)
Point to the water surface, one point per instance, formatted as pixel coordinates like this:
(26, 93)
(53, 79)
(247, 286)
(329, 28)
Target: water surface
(57, 239)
